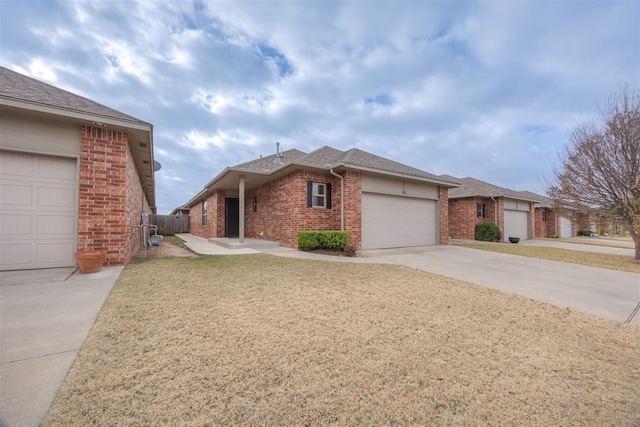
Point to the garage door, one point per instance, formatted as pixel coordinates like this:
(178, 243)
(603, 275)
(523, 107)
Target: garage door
(565, 227)
(37, 211)
(394, 222)
(516, 224)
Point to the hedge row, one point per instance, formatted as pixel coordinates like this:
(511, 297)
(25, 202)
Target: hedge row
(331, 240)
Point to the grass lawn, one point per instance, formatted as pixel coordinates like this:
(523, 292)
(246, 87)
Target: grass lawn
(594, 259)
(259, 339)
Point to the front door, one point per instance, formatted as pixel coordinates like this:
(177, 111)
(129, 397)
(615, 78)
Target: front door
(232, 217)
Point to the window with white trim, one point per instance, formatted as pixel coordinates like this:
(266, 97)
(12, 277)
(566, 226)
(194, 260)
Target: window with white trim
(204, 212)
(318, 195)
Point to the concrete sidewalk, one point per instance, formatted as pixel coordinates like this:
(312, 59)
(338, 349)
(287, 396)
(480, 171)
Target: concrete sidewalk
(580, 247)
(45, 316)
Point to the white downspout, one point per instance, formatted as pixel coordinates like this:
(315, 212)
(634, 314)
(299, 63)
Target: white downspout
(341, 198)
(495, 210)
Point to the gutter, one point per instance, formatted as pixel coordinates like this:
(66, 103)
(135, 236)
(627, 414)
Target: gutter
(341, 198)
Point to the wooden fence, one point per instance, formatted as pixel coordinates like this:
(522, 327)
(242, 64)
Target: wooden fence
(168, 225)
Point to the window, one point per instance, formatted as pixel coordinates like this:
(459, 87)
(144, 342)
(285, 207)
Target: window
(318, 195)
(544, 216)
(204, 212)
(481, 210)
(255, 203)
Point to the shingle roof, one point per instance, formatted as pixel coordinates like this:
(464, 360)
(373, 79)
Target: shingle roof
(266, 164)
(19, 87)
(543, 200)
(326, 157)
(472, 187)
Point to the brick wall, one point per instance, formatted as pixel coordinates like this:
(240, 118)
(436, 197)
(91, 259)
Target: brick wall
(548, 227)
(352, 207)
(215, 217)
(443, 208)
(136, 202)
(102, 223)
(282, 208)
(463, 216)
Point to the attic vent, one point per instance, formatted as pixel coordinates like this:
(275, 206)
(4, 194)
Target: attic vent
(278, 159)
(143, 144)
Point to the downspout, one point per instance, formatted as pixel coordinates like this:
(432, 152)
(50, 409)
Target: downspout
(341, 198)
(495, 210)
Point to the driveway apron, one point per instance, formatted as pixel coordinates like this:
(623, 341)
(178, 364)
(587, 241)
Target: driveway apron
(45, 316)
(606, 293)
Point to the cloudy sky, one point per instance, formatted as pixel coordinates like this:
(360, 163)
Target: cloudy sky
(488, 89)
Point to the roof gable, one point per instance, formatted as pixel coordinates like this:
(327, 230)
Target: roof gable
(472, 187)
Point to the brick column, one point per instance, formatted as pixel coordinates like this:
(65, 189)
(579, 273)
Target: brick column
(102, 195)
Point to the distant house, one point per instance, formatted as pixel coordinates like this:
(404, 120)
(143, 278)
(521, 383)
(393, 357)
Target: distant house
(477, 201)
(74, 174)
(379, 202)
(549, 220)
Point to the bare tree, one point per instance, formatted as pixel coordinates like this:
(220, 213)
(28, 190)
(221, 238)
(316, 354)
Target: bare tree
(599, 169)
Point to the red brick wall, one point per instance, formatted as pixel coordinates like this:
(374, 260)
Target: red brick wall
(352, 206)
(548, 227)
(282, 208)
(463, 216)
(136, 202)
(102, 223)
(443, 208)
(215, 217)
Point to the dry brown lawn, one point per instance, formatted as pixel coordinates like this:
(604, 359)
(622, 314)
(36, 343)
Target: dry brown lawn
(264, 340)
(593, 259)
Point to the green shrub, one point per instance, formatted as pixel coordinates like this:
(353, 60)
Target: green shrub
(585, 233)
(308, 240)
(331, 240)
(555, 236)
(488, 232)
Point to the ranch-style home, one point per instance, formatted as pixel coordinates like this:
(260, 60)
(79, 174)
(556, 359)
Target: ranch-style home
(477, 201)
(74, 174)
(379, 202)
(548, 220)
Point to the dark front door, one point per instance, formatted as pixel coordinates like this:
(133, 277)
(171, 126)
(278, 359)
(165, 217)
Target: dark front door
(232, 217)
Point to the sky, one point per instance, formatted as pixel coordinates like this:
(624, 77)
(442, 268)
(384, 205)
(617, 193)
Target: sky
(487, 89)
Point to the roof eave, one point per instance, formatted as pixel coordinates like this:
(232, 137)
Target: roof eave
(398, 175)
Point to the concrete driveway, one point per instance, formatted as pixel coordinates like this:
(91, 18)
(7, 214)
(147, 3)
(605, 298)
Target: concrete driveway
(45, 316)
(580, 247)
(605, 293)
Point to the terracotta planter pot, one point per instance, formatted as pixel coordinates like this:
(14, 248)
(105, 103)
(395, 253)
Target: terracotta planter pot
(89, 261)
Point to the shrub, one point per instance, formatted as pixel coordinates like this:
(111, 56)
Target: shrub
(331, 240)
(308, 240)
(585, 233)
(350, 251)
(555, 236)
(488, 232)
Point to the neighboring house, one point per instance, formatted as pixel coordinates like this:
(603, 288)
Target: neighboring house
(74, 174)
(379, 202)
(477, 201)
(548, 220)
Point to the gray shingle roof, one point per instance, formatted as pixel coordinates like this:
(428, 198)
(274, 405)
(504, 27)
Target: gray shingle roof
(472, 187)
(326, 156)
(19, 87)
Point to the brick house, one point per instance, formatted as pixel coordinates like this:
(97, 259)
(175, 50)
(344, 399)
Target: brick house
(477, 201)
(548, 220)
(74, 174)
(379, 202)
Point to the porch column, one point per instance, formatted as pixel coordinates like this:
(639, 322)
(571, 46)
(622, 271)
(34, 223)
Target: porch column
(241, 209)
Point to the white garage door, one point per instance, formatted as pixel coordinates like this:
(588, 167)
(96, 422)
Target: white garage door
(394, 222)
(516, 224)
(38, 213)
(565, 227)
